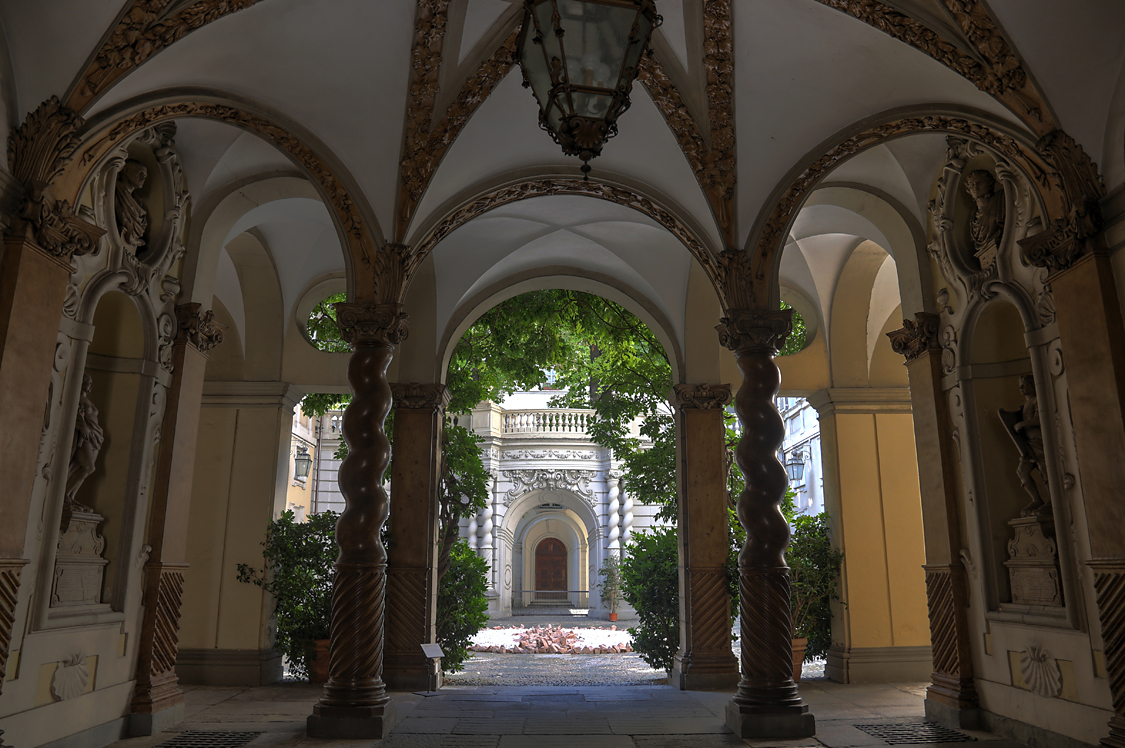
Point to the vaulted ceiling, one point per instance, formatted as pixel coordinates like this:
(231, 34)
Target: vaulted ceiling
(419, 104)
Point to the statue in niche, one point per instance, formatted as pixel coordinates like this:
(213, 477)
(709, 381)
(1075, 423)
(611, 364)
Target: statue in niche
(987, 227)
(1026, 431)
(88, 439)
(132, 215)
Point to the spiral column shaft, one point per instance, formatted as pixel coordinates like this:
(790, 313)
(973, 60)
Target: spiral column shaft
(355, 702)
(767, 704)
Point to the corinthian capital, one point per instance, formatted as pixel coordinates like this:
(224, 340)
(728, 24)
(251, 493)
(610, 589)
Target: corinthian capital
(199, 329)
(700, 396)
(916, 336)
(372, 324)
(415, 396)
(754, 330)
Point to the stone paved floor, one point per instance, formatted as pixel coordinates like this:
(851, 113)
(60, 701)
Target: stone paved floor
(550, 717)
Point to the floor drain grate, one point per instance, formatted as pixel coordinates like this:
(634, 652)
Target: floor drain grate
(915, 732)
(209, 739)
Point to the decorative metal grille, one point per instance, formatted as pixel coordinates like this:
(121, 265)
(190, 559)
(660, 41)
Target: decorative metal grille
(209, 739)
(911, 733)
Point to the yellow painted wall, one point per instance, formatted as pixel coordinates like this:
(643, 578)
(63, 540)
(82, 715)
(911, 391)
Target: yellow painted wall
(880, 528)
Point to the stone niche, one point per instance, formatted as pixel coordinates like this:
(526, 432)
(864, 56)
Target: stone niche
(1033, 563)
(79, 566)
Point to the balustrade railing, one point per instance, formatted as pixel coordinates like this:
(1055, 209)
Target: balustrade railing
(547, 421)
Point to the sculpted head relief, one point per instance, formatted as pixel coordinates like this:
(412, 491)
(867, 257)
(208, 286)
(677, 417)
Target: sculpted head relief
(132, 215)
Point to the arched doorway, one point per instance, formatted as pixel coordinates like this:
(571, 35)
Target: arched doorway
(550, 570)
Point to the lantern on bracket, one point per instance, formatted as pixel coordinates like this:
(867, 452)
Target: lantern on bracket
(580, 58)
(795, 467)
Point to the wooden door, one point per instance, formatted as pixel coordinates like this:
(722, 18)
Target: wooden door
(550, 565)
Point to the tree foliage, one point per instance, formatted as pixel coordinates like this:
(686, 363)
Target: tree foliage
(299, 558)
(462, 608)
(651, 584)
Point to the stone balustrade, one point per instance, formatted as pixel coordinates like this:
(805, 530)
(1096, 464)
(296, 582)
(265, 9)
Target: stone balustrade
(546, 422)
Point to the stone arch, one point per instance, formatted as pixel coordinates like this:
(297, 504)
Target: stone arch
(564, 278)
(1031, 158)
(355, 222)
(486, 197)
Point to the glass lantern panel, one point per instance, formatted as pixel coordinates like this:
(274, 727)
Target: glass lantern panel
(644, 30)
(596, 41)
(552, 47)
(535, 67)
(587, 104)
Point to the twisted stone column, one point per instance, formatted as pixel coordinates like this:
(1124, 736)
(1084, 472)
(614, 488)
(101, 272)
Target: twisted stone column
(614, 544)
(355, 702)
(767, 704)
(626, 517)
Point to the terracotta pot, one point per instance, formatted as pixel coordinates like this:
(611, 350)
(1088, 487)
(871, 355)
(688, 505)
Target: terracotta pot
(318, 661)
(613, 616)
(799, 646)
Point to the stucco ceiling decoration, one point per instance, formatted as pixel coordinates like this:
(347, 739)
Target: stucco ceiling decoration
(1064, 174)
(144, 29)
(424, 146)
(994, 69)
(362, 244)
(569, 186)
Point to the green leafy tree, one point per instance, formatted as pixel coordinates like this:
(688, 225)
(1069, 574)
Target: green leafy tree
(814, 574)
(651, 584)
(610, 583)
(299, 558)
(462, 609)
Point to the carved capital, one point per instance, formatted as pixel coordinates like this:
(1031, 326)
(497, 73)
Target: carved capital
(753, 330)
(42, 147)
(415, 396)
(372, 324)
(700, 396)
(198, 329)
(916, 336)
(53, 225)
(736, 280)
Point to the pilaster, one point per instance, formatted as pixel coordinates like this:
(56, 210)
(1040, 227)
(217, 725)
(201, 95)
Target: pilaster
(705, 658)
(157, 698)
(412, 580)
(879, 631)
(951, 697)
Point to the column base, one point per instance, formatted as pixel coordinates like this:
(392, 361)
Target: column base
(151, 723)
(966, 718)
(351, 723)
(426, 677)
(770, 722)
(710, 674)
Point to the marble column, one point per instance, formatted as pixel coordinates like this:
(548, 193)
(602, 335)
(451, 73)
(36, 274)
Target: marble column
(880, 631)
(705, 658)
(1088, 313)
(355, 702)
(767, 704)
(951, 697)
(412, 582)
(613, 506)
(157, 698)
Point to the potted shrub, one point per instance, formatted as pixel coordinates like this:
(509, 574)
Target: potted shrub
(610, 585)
(814, 571)
(299, 558)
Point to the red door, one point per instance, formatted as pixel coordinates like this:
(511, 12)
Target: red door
(550, 568)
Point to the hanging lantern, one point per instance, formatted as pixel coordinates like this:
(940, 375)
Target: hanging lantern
(795, 468)
(580, 57)
(302, 463)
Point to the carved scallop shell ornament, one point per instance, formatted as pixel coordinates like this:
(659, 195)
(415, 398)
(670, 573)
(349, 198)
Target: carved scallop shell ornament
(71, 677)
(1040, 671)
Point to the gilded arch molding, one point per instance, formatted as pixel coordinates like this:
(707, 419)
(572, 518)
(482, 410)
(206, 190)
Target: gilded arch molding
(1068, 183)
(568, 185)
(142, 30)
(57, 149)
